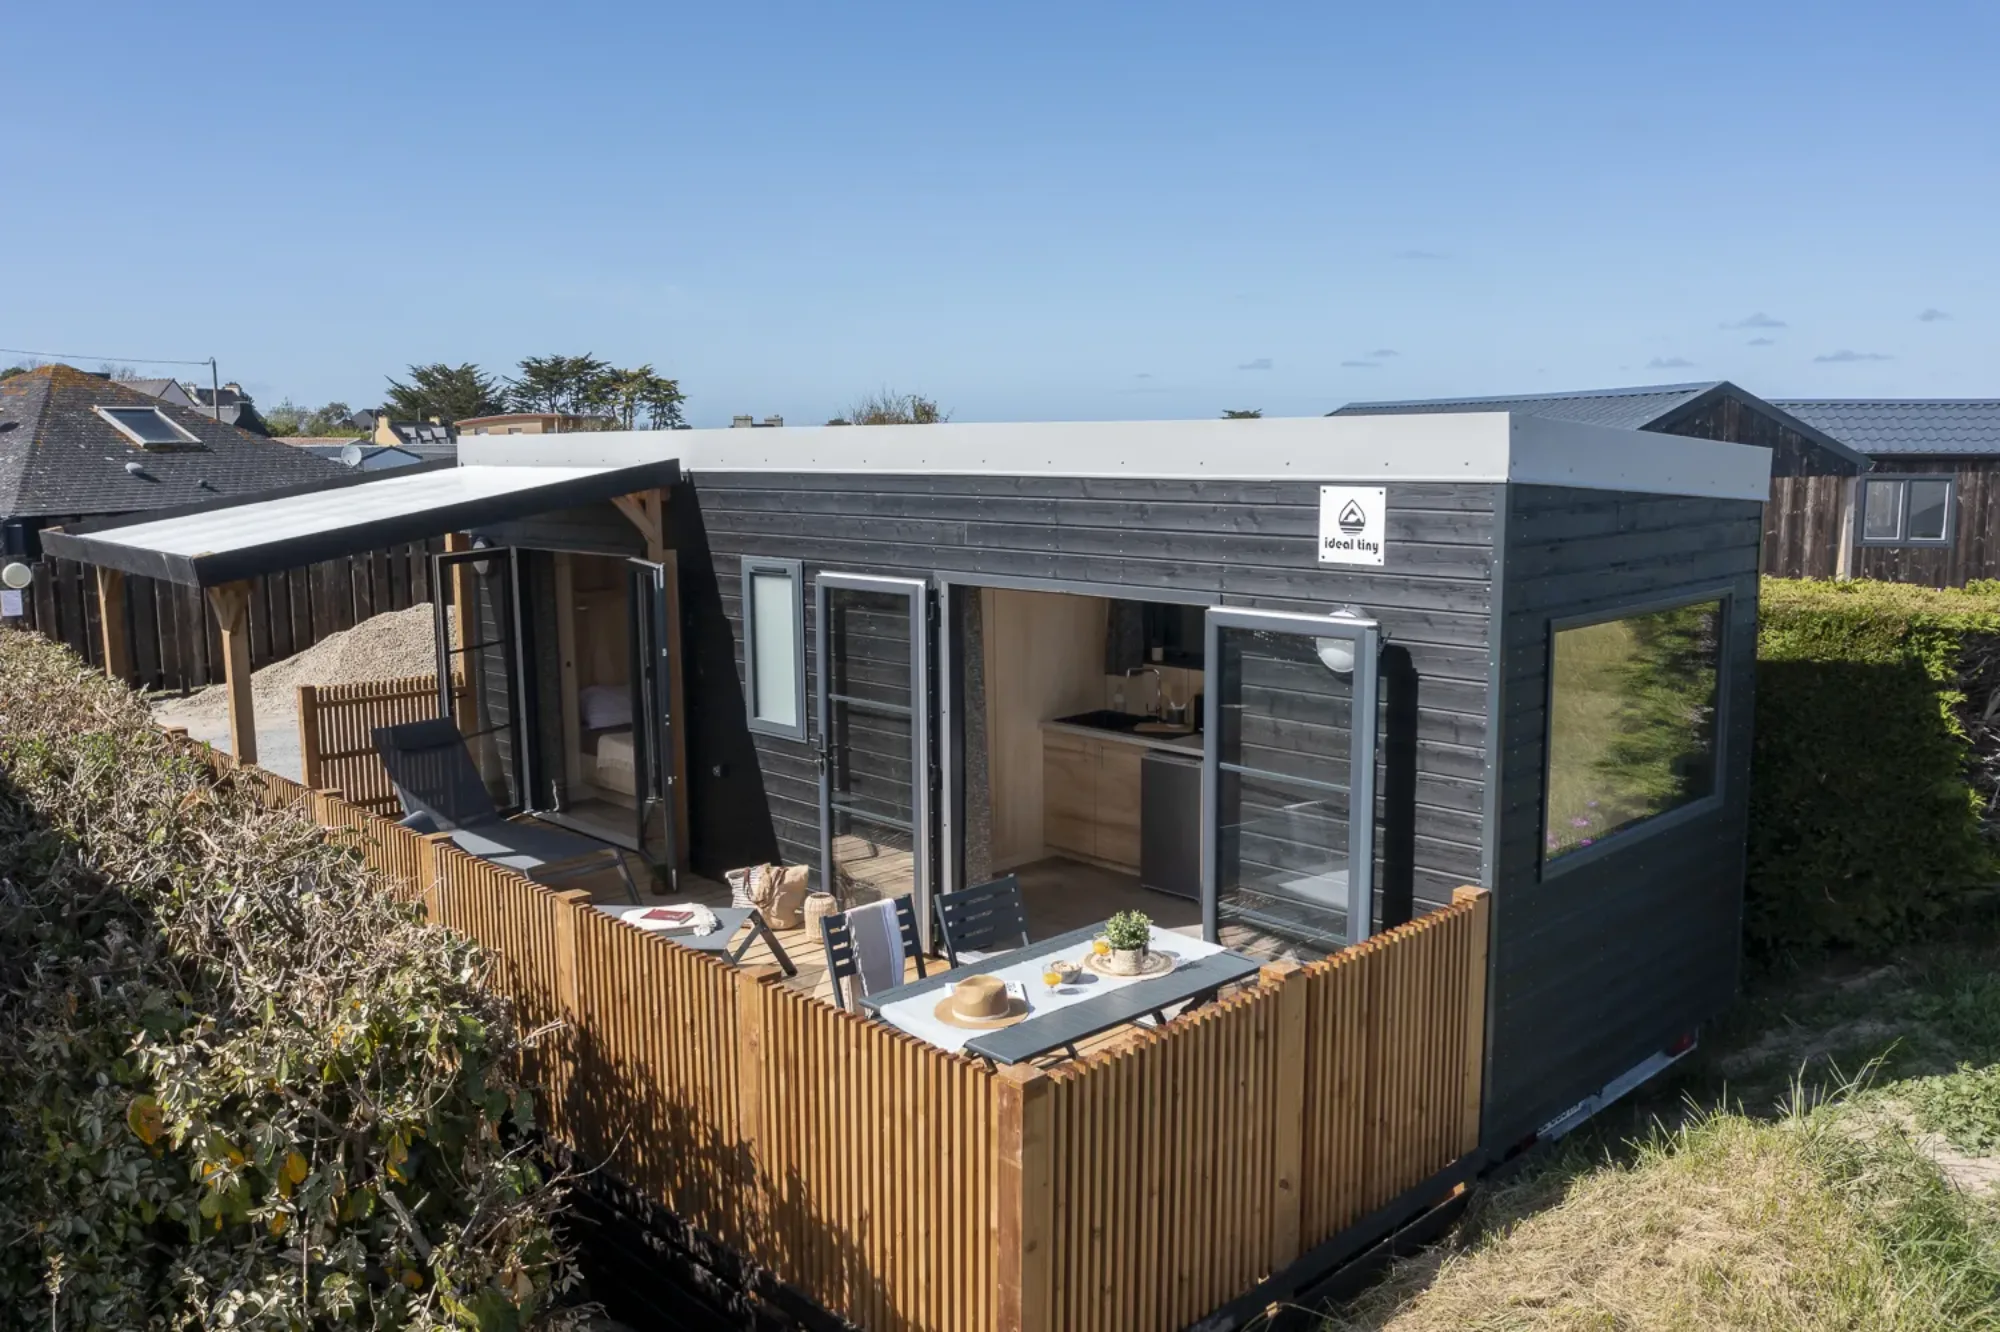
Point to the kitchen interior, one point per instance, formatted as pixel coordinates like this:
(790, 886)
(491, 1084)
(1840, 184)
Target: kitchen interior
(1094, 750)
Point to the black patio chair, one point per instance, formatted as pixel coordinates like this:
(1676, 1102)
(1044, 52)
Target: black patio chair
(981, 920)
(441, 791)
(841, 964)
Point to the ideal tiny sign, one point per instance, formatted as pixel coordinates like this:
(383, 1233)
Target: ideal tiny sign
(1353, 524)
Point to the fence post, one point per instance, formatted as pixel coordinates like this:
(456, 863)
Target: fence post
(1025, 1233)
(751, 984)
(430, 868)
(1288, 1104)
(568, 983)
(1481, 903)
(309, 760)
(111, 624)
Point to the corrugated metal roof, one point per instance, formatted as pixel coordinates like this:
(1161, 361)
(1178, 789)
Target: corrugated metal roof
(1905, 425)
(1624, 408)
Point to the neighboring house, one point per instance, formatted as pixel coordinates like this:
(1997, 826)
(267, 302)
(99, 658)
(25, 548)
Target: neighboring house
(427, 439)
(532, 423)
(166, 390)
(75, 445)
(1930, 509)
(744, 421)
(236, 408)
(362, 454)
(1810, 520)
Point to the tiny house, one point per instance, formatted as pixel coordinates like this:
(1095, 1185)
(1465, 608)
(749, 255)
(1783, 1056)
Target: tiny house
(1298, 678)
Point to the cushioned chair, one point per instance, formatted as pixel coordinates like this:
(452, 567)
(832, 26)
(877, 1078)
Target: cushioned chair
(441, 791)
(980, 921)
(842, 964)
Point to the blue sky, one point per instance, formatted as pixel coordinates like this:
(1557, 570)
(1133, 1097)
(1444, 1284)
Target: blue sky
(1032, 211)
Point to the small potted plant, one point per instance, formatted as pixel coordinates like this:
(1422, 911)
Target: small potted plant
(1128, 933)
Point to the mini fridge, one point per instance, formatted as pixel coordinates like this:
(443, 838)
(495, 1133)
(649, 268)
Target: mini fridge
(1170, 822)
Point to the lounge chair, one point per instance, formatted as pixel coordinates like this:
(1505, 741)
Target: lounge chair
(442, 792)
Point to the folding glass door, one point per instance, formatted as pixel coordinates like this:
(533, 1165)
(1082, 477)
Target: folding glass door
(1288, 782)
(872, 690)
(476, 593)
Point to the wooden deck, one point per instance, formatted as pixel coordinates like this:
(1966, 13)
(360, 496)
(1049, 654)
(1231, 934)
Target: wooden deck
(1061, 895)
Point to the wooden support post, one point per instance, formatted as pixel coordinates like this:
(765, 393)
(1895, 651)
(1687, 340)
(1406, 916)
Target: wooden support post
(111, 623)
(1474, 1088)
(752, 983)
(1288, 1137)
(1025, 1230)
(462, 627)
(1843, 557)
(231, 603)
(309, 756)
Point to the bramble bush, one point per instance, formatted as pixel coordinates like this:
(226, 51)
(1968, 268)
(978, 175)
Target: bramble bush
(1877, 761)
(239, 1085)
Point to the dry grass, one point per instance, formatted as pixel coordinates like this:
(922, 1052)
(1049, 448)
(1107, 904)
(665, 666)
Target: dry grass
(1798, 1224)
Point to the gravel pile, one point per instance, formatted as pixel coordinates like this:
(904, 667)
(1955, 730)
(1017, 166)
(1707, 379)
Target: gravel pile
(383, 647)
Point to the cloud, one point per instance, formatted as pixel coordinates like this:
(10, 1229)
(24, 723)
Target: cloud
(1418, 256)
(1844, 356)
(1758, 320)
(1932, 315)
(1670, 363)
(1361, 365)
(1261, 363)
(1143, 374)
(1383, 353)
(1761, 342)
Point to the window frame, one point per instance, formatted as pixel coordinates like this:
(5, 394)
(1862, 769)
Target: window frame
(1902, 538)
(753, 565)
(187, 437)
(1725, 595)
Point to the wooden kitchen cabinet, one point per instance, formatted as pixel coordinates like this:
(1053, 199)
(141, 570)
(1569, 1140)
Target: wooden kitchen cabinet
(1090, 793)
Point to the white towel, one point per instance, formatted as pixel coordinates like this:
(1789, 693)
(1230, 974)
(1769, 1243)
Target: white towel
(878, 945)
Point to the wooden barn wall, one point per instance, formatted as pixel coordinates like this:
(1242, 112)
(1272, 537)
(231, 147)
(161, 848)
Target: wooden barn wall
(1246, 543)
(1801, 536)
(1974, 551)
(1607, 960)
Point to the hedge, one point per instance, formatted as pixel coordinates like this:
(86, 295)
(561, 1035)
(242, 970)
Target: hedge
(240, 1086)
(1872, 772)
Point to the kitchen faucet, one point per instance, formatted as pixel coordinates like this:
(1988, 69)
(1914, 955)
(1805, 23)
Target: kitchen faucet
(1159, 684)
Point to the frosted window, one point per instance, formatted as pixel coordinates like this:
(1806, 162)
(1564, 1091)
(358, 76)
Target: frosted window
(774, 641)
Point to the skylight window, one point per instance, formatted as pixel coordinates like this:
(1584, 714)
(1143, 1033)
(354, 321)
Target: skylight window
(148, 427)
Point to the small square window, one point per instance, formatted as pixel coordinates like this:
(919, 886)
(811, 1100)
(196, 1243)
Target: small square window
(148, 427)
(774, 659)
(1906, 511)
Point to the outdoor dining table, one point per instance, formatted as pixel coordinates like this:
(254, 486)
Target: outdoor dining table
(1073, 1012)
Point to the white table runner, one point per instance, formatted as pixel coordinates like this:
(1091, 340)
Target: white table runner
(918, 1014)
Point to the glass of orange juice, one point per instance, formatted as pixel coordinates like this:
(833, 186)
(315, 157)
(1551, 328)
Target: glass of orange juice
(1052, 975)
(1101, 946)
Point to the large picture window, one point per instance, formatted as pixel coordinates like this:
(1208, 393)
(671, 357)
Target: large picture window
(1633, 704)
(774, 656)
(1906, 511)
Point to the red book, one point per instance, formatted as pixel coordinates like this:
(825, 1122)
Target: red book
(672, 915)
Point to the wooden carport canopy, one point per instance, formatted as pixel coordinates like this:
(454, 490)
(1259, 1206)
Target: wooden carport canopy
(220, 546)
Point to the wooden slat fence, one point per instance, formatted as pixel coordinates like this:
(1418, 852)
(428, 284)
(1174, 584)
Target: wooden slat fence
(337, 734)
(174, 640)
(901, 1187)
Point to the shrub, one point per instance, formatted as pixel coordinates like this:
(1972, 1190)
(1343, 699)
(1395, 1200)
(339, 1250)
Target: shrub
(1870, 779)
(239, 1085)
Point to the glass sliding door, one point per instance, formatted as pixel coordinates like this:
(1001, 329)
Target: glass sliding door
(476, 600)
(652, 716)
(1288, 783)
(872, 695)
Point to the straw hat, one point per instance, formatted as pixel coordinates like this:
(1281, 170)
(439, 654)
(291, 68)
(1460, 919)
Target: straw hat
(979, 1003)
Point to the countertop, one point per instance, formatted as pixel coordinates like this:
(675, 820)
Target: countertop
(1186, 744)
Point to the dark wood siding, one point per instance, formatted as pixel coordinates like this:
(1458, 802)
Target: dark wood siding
(1975, 548)
(1244, 543)
(1802, 522)
(1609, 958)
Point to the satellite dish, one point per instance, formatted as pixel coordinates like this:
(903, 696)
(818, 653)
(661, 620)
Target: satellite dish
(17, 575)
(351, 455)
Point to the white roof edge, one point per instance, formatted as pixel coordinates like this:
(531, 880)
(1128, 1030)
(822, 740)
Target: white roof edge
(1478, 447)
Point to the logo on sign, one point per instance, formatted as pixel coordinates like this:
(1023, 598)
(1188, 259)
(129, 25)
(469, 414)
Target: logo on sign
(1353, 524)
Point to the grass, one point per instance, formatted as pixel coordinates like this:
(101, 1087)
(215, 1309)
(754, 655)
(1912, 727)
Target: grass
(1827, 1160)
